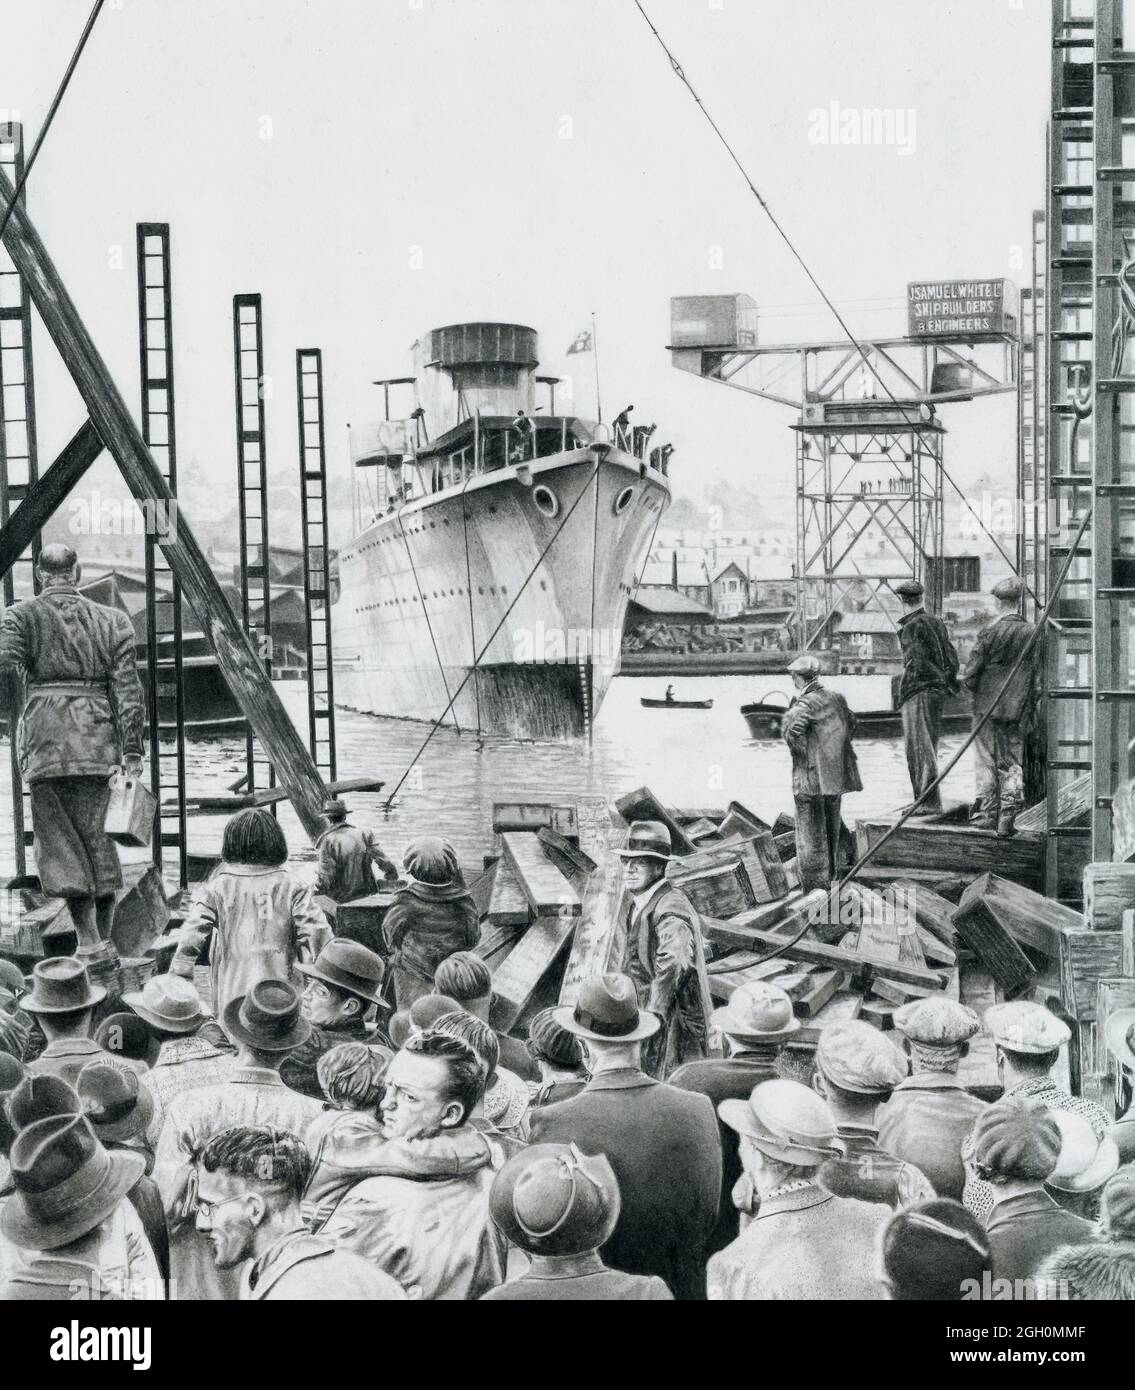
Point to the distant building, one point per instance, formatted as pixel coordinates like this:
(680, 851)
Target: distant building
(729, 592)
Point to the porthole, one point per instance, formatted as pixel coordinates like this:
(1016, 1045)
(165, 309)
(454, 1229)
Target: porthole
(623, 501)
(546, 500)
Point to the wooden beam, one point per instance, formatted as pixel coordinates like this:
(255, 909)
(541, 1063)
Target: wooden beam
(954, 849)
(642, 804)
(599, 941)
(531, 815)
(239, 662)
(542, 883)
(508, 907)
(45, 496)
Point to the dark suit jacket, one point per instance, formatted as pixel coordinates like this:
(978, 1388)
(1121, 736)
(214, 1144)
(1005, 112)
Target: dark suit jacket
(577, 1279)
(992, 657)
(731, 1079)
(663, 1145)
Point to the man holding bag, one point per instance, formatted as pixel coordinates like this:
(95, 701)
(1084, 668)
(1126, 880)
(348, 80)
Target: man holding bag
(83, 719)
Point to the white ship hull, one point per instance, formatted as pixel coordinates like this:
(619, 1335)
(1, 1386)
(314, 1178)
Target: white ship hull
(424, 590)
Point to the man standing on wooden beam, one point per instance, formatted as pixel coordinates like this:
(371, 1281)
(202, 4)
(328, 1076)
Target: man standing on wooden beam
(929, 675)
(82, 720)
(818, 729)
(999, 746)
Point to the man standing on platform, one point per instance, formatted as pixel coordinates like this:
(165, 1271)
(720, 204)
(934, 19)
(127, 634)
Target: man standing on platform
(665, 956)
(346, 857)
(999, 746)
(818, 728)
(83, 719)
(929, 674)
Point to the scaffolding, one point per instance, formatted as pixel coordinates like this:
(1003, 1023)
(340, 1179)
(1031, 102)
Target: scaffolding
(1090, 390)
(252, 486)
(870, 474)
(165, 692)
(316, 560)
(19, 465)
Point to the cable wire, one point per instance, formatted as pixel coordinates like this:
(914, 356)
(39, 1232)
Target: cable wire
(680, 73)
(51, 110)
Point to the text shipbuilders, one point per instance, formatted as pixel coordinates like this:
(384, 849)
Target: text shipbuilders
(75, 1343)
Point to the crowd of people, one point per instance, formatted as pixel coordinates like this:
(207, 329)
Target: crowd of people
(303, 1118)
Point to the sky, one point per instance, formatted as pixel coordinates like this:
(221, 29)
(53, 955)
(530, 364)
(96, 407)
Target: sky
(375, 168)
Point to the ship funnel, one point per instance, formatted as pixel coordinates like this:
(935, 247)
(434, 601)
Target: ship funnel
(468, 367)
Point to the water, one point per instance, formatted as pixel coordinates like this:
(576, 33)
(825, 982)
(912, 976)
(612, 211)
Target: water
(689, 758)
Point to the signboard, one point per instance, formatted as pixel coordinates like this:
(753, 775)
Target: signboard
(961, 308)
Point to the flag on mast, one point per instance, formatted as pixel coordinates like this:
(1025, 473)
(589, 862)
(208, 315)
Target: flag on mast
(581, 342)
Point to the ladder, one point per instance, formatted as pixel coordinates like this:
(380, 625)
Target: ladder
(166, 693)
(252, 487)
(316, 560)
(19, 466)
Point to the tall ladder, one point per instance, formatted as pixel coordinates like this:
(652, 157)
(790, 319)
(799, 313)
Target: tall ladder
(1113, 455)
(19, 466)
(252, 486)
(166, 694)
(316, 560)
(1068, 371)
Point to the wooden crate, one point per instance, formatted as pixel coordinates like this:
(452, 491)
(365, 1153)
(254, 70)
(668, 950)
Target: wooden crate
(718, 890)
(1109, 891)
(1086, 958)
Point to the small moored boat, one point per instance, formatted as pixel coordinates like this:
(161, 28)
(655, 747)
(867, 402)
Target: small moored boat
(764, 718)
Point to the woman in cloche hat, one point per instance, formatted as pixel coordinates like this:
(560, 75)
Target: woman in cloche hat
(429, 919)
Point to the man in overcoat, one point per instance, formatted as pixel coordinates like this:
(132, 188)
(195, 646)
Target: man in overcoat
(661, 1142)
(83, 719)
(818, 729)
(999, 746)
(665, 955)
(929, 675)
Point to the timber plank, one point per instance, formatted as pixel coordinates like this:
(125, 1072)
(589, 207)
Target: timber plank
(1032, 919)
(1109, 891)
(821, 987)
(954, 849)
(642, 804)
(521, 972)
(571, 861)
(930, 909)
(982, 930)
(977, 1070)
(543, 884)
(533, 815)
(1072, 800)
(599, 942)
(1086, 958)
(508, 906)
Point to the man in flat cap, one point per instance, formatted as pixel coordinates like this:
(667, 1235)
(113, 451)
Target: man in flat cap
(999, 746)
(857, 1068)
(929, 675)
(801, 1242)
(348, 856)
(83, 720)
(1016, 1146)
(1028, 1038)
(930, 1113)
(665, 955)
(818, 729)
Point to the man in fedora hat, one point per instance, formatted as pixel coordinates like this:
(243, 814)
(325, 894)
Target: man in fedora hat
(802, 1243)
(1120, 1034)
(661, 1142)
(344, 983)
(930, 1113)
(190, 1054)
(265, 1024)
(1028, 1038)
(818, 729)
(82, 720)
(348, 857)
(120, 1109)
(69, 1217)
(62, 1000)
(929, 675)
(665, 954)
(857, 1068)
(250, 1179)
(999, 746)
(429, 919)
(431, 1232)
(560, 1206)
(756, 1023)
